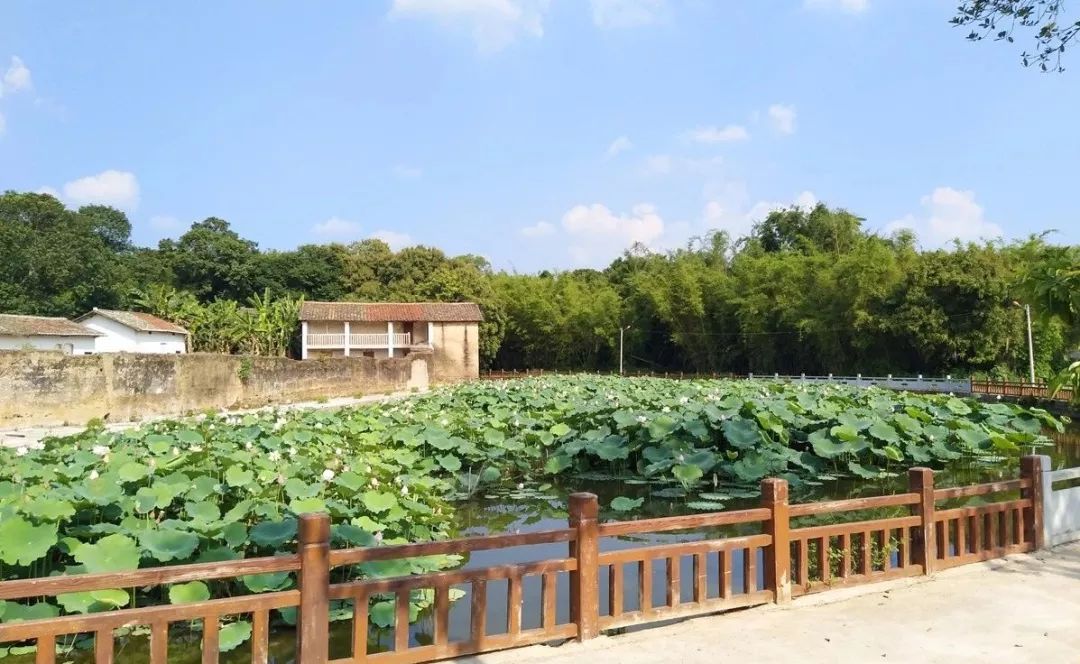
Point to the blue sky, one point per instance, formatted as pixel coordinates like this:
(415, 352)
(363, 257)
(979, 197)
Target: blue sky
(538, 133)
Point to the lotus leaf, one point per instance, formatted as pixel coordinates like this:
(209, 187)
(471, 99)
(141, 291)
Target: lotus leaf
(112, 553)
(186, 593)
(22, 543)
(273, 533)
(166, 545)
(231, 636)
(624, 504)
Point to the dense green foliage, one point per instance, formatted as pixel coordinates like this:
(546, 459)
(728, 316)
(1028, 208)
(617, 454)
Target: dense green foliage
(806, 291)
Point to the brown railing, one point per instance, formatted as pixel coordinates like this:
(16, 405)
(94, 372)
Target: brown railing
(759, 558)
(1011, 389)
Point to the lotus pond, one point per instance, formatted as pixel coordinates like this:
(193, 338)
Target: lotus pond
(469, 459)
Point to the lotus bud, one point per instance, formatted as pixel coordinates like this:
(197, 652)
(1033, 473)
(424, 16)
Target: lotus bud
(378, 537)
(404, 490)
(520, 486)
(94, 474)
(176, 451)
(327, 475)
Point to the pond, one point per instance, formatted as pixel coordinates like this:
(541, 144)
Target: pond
(528, 511)
(525, 509)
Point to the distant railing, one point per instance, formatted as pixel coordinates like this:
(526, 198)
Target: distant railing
(1014, 389)
(913, 384)
(359, 340)
(769, 560)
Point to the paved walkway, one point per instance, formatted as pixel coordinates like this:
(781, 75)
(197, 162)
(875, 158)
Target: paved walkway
(1024, 609)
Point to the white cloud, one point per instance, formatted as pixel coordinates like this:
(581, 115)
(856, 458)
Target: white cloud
(17, 77)
(730, 210)
(657, 164)
(337, 228)
(852, 6)
(718, 134)
(782, 118)
(393, 238)
(598, 234)
(611, 14)
(494, 24)
(948, 214)
(539, 229)
(620, 144)
(119, 189)
(407, 172)
(49, 190)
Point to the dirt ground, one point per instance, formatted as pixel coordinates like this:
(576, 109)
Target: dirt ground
(1023, 609)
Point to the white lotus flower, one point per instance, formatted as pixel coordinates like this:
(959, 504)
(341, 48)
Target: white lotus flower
(444, 421)
(196, 448)
(274, 456)
(248, 445)
(684, 400)
(374, 483)
(327, 475)
(666, 409)
(642, 419)
(21, 451)
(337, 451)
(404, 490)
(152, 462)
(520, 486)
(176, 451)
(94, 474)
(378, 536)
(681, 458)
(100, 450)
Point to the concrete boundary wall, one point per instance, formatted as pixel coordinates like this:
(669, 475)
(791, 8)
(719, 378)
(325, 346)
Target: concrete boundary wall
(1061, 507)
(49, 388)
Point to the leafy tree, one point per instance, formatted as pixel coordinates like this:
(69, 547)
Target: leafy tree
(57, 262)
(1000, 20)
(212, 261)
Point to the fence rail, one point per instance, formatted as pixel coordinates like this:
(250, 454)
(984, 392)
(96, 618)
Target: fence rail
(773, 556)
(1011, 389)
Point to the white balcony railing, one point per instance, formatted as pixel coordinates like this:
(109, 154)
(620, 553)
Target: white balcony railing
(358, 340)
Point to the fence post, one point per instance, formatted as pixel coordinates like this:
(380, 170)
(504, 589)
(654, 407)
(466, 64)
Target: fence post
(1032, 467)
(774, 495)
(313, 633)
(921, 481)
(585, 580)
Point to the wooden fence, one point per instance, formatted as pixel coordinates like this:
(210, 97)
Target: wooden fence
(771, 558)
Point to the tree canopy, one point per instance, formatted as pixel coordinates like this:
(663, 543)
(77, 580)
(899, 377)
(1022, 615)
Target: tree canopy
(1001, 20)
(806, 291)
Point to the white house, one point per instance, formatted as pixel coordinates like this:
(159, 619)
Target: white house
(134, 332)
(45, 333)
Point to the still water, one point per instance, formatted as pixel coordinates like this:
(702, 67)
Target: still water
(514, 511)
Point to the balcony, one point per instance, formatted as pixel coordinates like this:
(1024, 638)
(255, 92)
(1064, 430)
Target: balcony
(359, 340)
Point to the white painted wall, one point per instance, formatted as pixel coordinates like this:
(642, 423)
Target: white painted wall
(1061, 507)
(117, 338)
(74, 345)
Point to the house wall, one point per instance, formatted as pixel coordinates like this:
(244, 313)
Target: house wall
(456, 352)
(44, 388)
(72, 345)
(119, 338)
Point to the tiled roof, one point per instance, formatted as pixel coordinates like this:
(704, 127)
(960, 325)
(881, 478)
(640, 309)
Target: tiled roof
(405, 312)
(12, 325)
(136, 320)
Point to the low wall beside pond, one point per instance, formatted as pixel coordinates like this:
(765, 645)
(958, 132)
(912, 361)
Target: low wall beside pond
(50, 388)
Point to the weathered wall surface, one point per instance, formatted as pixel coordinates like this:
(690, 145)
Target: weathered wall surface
(457, 352)
(40, 388)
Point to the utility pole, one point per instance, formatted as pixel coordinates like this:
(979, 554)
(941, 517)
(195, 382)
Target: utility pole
(621, 330)
(1031, 346)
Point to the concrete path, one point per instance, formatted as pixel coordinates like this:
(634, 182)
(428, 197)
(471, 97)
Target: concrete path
(32, 436)
(1024, 609)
